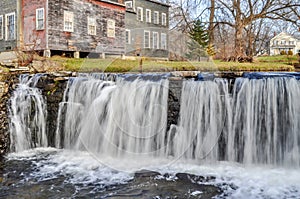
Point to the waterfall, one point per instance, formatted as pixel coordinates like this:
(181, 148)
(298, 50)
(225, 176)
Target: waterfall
(266, 122)
(252, 121)
(115, 118)
(205, 116)
(257, 124)
(27, 115)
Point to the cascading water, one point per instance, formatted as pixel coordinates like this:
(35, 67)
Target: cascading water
(266, 122)
(116, 118)
(27, 115)
(111, 129)
(205, 115)
(258, 124)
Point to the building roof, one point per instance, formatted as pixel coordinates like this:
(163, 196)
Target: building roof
(158, 2)
(112, 2)
(283, 35)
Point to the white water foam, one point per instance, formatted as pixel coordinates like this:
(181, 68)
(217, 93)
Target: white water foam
(236, 180)
(27, 115)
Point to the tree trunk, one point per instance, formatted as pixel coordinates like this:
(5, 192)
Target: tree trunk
(239, 40)
(211, 23)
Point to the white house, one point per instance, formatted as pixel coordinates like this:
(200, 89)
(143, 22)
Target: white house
(284, 42)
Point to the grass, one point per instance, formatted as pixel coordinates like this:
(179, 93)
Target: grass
(274, 63)
(288, 59)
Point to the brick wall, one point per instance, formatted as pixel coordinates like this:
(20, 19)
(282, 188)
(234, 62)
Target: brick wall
(31, 35)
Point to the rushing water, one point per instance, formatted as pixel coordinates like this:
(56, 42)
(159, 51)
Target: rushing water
(27, 115)
(238, 142)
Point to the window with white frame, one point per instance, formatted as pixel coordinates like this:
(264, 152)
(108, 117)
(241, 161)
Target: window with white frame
(127, 36)
(146, 39)
(10, 28)
(92, 26)
(156, 17)
(40, 18)
(68, 21)
(139, 13)
(148, 16)
(163, 38)
(155, 40)
(1, 27)
(163, 19)
(111, 28)
(128, 4)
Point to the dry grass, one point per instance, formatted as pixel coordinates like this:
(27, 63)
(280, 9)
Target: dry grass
(119, 65)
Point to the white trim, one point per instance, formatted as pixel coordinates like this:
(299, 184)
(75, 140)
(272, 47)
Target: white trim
(129, 36)
(157, 20)
(6, 24)
(111, 28)
(37, 18)
(157, 40)
(148, 18)
(68, 18)
(163, 44)
(141, 14)
(92, 25)
(163, 19)
(146, 31)
(128, 3)
(1, 28)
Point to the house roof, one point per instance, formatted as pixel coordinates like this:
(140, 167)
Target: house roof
(112, 2)
(158, 2)
(283, 35)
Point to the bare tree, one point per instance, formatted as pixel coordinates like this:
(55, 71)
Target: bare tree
(242, 14)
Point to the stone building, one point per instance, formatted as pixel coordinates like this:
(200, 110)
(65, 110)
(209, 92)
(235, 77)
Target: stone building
(10, 13)
(284, 42)
(74, 27)
(147, 25)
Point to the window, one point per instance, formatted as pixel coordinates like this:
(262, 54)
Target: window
(291, 42)
(155, 40)
(110, 28)
(68, 21)
(156, 17)
(39, 19)
(128, 4)
(148, 16)
(163, 19)
(140, 14)
(127, 36)
(1, 27)
(146, 39)
(163, 38)
(10, 29)
(92, 27)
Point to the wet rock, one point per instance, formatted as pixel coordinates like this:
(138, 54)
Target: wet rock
(149, 184)
(145, 173)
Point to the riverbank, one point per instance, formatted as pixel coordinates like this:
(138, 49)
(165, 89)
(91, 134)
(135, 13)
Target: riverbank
(150, 65)
(143, 64)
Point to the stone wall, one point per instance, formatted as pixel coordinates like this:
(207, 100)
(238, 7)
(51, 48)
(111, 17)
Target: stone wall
(175, 85)
(7, 82)
(52, 87)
